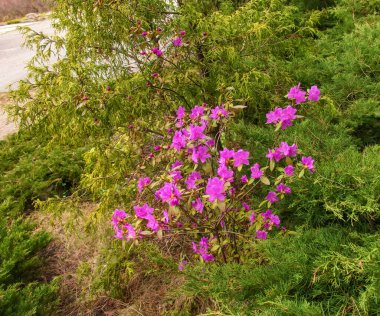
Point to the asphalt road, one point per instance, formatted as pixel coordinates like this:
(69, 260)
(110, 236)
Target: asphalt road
(13, 57)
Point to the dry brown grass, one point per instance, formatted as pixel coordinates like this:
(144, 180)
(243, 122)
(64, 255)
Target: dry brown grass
(143, 295)
(11, 9)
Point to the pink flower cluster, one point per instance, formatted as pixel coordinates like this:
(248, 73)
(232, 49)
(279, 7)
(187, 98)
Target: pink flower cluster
(284, 150)
(122, 229)
(299, 95)
(201, 190)
(202, 249)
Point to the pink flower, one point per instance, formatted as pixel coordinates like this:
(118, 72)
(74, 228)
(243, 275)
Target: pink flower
(284, 116)
(176, 164)
(283, 189)
(297, 94)
(241, 158)
(169, 193)
(245, 206)
(177, 42)
(225, 173)
(308, 162)
(196, 132)
(191, 180)
(182, 265)
(272, 197)
(218, 112)
(274, 154)
(181, 113)
(200, 153)
(288, 151)
(274, 220)
(143, 34)
(289, 170)
(176, 175)
(179, 141)
(252, 218)
(156, 148)
(152, 223)
(260, 234)
(142, 183)
(155, 74)
(131, 233)
(256, 173)
(226, 155)
(198, 205)
(144, 211)
(117, 216)
(197, 112)
(314, 94)
(244, 179)
(182, 33)
(166, 216)
(202, 249)
(215, 189)
(156, 51)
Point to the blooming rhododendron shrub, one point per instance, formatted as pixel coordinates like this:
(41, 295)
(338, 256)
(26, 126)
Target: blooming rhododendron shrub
(206, 190)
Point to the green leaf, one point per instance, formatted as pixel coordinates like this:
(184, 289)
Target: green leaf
(265, 180)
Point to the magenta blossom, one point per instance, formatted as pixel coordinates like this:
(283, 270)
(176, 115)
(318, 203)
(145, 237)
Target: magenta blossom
(191, 180)
(252, 218)
(241, 158)
(225, 173)
(274, 220)
(260, 234)
(179, 141)
(152, 223)
(198, 205)
(297, 94)
(169, 193)
(142, 183)
(215, 189)
(176, 164)
(272, 197)
(245, 206)
(176, 175)
(181, 113)
(275, 154)
(157, 51)
(197, 112)
(117, 217)
(308, 162)
(289, 170)
(166, 216)
(144, 211)
(256, 173)
(218, 112)
(177, 42)
(282, 188)
(314, 94)
(288, 151)
(200, 153)
(196, 132)
(143, 34)
(202, 249)
(244, 179)
(182, 33)
(284, 116)
(226, 155)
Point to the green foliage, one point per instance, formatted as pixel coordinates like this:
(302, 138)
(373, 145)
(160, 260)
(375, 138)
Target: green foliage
(318, 271)
(20, 268)
(33, 170)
